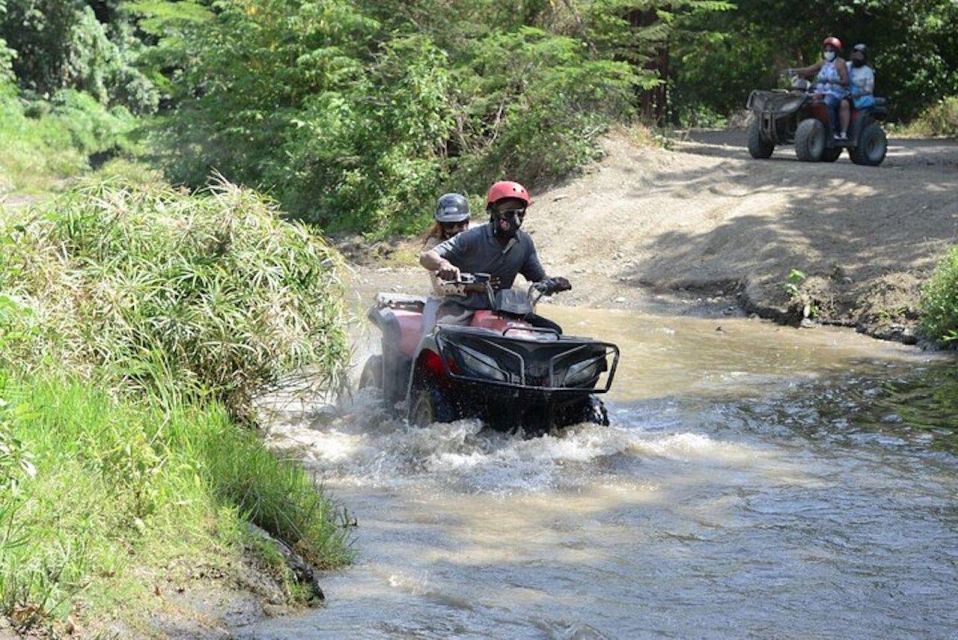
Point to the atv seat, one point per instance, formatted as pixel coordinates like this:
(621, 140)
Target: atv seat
(401, 301)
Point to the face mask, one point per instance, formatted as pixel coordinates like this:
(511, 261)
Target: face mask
(507, 223)
(857, 63)
(829, 55)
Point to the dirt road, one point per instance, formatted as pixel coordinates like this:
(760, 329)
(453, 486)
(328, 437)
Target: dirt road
(706, 218)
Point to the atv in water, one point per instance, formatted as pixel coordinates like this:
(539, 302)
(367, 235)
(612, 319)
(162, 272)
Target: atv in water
(793, 116)
(505, 365)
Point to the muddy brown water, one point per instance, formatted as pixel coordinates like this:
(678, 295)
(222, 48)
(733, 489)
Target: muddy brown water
(756, 482)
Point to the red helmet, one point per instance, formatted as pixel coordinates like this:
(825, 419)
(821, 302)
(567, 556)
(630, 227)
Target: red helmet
(832, 40)
(505, 189)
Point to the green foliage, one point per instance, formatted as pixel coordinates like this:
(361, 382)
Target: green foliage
(186, 296)
(940, 119)
(60, 44)
(939, 301)
(167, 27)
(123, 491)
(45, 142)
(355, 114)
(793, 282)
(534, 106)
(913, 47)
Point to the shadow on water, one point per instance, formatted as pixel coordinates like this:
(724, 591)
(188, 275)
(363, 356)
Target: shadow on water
(920, 406)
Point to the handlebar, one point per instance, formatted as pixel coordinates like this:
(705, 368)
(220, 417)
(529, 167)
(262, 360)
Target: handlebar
(484, 283)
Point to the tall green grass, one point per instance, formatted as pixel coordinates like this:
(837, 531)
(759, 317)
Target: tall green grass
(99, 497)
(185, 296)
(939, 301)
(940, 119)
(46, 142)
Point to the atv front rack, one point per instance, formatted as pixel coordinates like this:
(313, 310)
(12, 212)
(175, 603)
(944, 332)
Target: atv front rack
(532, 365)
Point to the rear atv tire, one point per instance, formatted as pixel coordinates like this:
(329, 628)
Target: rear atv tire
(810, 140)
(429, 405)
(831, 154)
(758, 147)
(372, 375)
(872, 146)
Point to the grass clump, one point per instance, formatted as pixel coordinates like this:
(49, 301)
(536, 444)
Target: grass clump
(100, 497)
(939, 301)
(940, 119)
(186, 296)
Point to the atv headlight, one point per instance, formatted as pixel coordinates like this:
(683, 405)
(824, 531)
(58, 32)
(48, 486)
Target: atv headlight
(581, 372)
(480, 364)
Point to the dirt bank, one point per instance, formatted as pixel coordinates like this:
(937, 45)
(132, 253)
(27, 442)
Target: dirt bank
(706, 217)
(703, 222)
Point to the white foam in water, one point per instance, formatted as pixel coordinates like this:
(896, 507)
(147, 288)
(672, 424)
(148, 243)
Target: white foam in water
(363, 447)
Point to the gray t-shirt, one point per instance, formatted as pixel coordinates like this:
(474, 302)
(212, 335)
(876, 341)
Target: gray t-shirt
(477, 251)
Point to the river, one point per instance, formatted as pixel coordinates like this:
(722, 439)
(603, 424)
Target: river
(756, 481)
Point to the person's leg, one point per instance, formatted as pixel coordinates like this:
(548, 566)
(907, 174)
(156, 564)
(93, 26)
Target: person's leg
(845, 116)
(831, 106)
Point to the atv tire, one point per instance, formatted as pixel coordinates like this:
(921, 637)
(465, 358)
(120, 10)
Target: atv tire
(810, 140)
(758, 147)
(831, 154)
(429, 405)
(591, 410)
(872, 146)
(372, 375)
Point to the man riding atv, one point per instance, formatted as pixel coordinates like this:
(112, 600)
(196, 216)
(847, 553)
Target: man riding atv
(499, 248)
(489, 356)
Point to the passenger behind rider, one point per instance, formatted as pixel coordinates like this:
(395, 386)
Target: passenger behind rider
(452, 217)
(861, 82)
(499, 248)
(831, 84)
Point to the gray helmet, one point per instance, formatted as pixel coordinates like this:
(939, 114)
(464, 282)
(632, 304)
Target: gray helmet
(452, 207)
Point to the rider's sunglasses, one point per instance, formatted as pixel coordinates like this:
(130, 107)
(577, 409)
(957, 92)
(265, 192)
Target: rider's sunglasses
(508, 213)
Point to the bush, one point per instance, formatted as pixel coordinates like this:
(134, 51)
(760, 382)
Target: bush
(356, 116)
(61, 44)
(939, 302)
(44, 142)
(188, 296)
(940, 119)
(101, 499)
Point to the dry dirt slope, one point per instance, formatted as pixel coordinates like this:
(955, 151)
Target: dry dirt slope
(705, 216)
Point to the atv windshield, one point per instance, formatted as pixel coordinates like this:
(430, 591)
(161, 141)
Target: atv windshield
(513, 302)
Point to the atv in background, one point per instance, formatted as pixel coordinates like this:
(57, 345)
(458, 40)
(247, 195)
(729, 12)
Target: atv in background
(504, 365)
(793, 116)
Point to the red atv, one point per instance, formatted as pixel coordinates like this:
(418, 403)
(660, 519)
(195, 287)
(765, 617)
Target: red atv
(793, 116)
(506, 366)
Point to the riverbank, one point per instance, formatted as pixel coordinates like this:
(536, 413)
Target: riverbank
(703, 227)
(137, 324)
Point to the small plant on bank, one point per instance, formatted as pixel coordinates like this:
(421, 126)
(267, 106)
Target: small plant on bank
(939, 302)
(793, 283)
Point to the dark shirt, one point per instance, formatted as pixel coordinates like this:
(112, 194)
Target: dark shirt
(478, 251)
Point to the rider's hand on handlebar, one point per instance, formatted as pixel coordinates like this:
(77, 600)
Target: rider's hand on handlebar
(553, 285)
(561, 284)
(448, 271)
